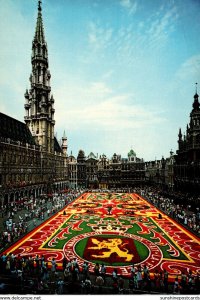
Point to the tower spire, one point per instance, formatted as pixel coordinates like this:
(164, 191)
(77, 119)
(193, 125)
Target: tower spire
(39, 102)
(39, 31)
(196, 101)
(64, 144)
(196, 86)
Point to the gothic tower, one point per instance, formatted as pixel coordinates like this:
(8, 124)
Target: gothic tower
(64, 144)
(39, 103)
(193, 130)
(187, 161)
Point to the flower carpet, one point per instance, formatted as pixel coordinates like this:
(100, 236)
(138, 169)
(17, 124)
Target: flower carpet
(116, 229)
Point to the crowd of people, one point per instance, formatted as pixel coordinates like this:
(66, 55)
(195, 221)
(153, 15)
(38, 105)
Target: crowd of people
(36, 275)
(176, 206)
(19, 219)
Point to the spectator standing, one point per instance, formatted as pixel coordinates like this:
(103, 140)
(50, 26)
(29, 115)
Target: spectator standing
(53, 265)
(60, 285)
(96, 269)
(133, 271)
(165, 281)
(100, 283)
(121, 285)
(103, 271)
(85, 270)
(183, 281)
(176, 288)
(139, 277)
(64, 263)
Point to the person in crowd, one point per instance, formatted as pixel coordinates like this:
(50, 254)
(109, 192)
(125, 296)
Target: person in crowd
(103, 271)
(85, 270)
(145, 273)
(45, 272)
(99, 283)
(161, 282)
(156, 280)
(165, 280)
(139, 278)
(115, 281)
(76, 272)
(67, 275)
(64, 263)
(87, 285)
(53, 265)
(121, 285)
(176, 287)
(60, 286)
(184, 281)
(96, 269)
(115, 275)
(133, 271)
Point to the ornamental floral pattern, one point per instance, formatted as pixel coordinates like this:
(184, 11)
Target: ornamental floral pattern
(116, 229)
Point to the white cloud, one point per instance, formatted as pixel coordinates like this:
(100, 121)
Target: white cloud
(107, 75)
(132, 43)
(189, 69)
(161, 26)
(98, 89)
(130, 5)
(135, 41)
(97, 104)
(98, 37)
(183, 85)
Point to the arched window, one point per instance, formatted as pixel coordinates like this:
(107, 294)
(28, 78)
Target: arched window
(43, 51)
(39, 49)
(39, 73)
(44, 76)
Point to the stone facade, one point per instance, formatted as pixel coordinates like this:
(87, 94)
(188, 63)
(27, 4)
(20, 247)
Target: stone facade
(32, 161)
(102, 173)
(187, 160)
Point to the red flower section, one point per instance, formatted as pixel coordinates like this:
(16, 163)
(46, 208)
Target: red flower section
(111, 250)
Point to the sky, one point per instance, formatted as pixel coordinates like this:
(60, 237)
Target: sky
(123, 72)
